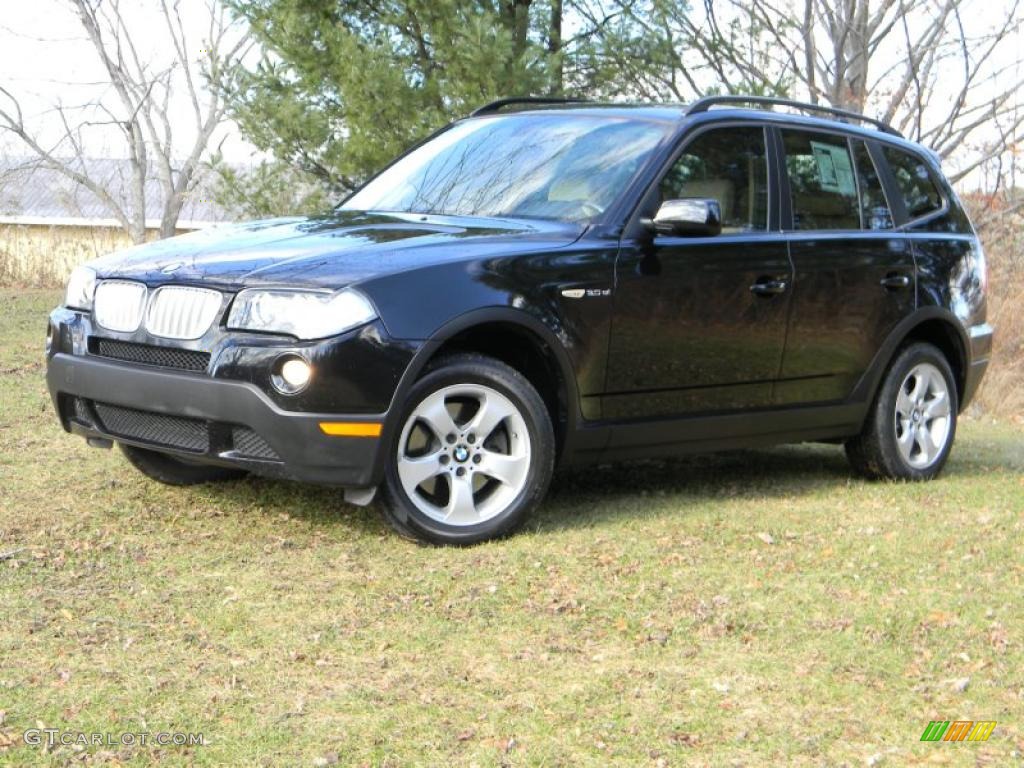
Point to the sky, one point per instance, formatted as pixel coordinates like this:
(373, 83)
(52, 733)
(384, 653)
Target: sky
(46, 59)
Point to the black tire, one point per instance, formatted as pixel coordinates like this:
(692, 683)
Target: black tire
(466, 370)
(169, 470)
(874, 453)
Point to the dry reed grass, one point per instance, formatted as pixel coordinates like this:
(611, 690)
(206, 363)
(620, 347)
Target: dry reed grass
(1002, 233)
(39, 256)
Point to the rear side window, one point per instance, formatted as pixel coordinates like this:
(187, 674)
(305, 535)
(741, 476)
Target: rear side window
(728, 165)
(874, 208)
(822, 182)
(920, 194)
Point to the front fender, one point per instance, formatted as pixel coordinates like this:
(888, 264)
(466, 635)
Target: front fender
(437, 301)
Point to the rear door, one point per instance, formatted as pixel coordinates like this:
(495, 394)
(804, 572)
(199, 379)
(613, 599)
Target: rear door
(854, 273)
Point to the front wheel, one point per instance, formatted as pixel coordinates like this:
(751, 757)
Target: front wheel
(474, 454)
(910, 428)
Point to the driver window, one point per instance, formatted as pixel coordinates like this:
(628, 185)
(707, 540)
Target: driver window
(728, 165)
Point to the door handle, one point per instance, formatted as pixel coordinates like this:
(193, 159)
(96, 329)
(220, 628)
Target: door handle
(769, 287)
(894, 281)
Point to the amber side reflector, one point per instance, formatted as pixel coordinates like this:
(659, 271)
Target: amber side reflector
(350, 428)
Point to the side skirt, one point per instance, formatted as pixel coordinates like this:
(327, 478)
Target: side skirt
(618, 441)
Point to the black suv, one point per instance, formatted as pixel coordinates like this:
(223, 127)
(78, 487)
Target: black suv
(543, 283)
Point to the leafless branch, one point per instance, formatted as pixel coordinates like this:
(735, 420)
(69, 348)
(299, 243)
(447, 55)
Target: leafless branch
(141, 106)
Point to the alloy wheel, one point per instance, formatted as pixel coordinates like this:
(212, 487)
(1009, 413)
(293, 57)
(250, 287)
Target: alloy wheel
(464, 454)
(922, 417)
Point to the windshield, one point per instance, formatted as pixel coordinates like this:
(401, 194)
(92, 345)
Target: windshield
(539, 165)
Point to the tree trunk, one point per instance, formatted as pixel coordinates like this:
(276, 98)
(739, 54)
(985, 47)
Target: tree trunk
(856, 54)
(555, 47)
(516, 15)
(169, 220)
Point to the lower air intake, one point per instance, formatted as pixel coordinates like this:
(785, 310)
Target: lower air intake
(249, 444)
(157, 428)
(147, 354)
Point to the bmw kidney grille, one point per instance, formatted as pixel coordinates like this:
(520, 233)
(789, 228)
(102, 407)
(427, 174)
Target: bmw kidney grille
(182, 312)
(172, 311)
(118, 304)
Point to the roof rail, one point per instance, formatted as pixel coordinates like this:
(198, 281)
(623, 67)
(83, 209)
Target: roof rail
(704, 104)
(498, 104)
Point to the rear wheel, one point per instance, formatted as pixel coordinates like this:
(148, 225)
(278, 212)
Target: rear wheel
(910, 429)
(473, 457)
(173, 471)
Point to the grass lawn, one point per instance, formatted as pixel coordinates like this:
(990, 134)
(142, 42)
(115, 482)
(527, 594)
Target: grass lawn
(753, 608)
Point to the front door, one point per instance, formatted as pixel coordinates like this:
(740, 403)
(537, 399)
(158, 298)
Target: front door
(699, 323)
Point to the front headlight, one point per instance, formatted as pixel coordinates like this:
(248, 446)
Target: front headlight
(81, 287)
(304, 314)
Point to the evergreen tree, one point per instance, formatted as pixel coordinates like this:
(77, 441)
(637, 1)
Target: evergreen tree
(344, 86)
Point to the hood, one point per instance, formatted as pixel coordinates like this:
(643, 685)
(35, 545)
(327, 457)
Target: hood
(330, 251)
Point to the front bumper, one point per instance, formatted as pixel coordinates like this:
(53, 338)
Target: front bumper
(302, 450)
(222, 415)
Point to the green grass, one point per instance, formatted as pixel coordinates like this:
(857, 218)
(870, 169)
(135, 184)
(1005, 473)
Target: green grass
(753, 608)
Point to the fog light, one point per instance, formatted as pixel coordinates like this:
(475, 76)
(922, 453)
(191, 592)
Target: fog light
(291, 375)
(296, 372)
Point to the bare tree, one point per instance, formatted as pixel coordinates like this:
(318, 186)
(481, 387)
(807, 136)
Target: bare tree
(144, 108)
(932, 68)
(915, 65)
(662, 50)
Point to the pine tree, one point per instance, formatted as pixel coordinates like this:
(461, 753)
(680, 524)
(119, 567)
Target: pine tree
(345, 86)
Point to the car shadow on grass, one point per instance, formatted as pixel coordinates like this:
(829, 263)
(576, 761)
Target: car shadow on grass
(317, 505)
(582, 497)
(589, 494)
(579, 496)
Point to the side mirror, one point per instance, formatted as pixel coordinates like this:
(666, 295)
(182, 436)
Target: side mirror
(692, 217)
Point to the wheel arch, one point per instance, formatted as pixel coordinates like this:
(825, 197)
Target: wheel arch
(933, 325)
(518, 339)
